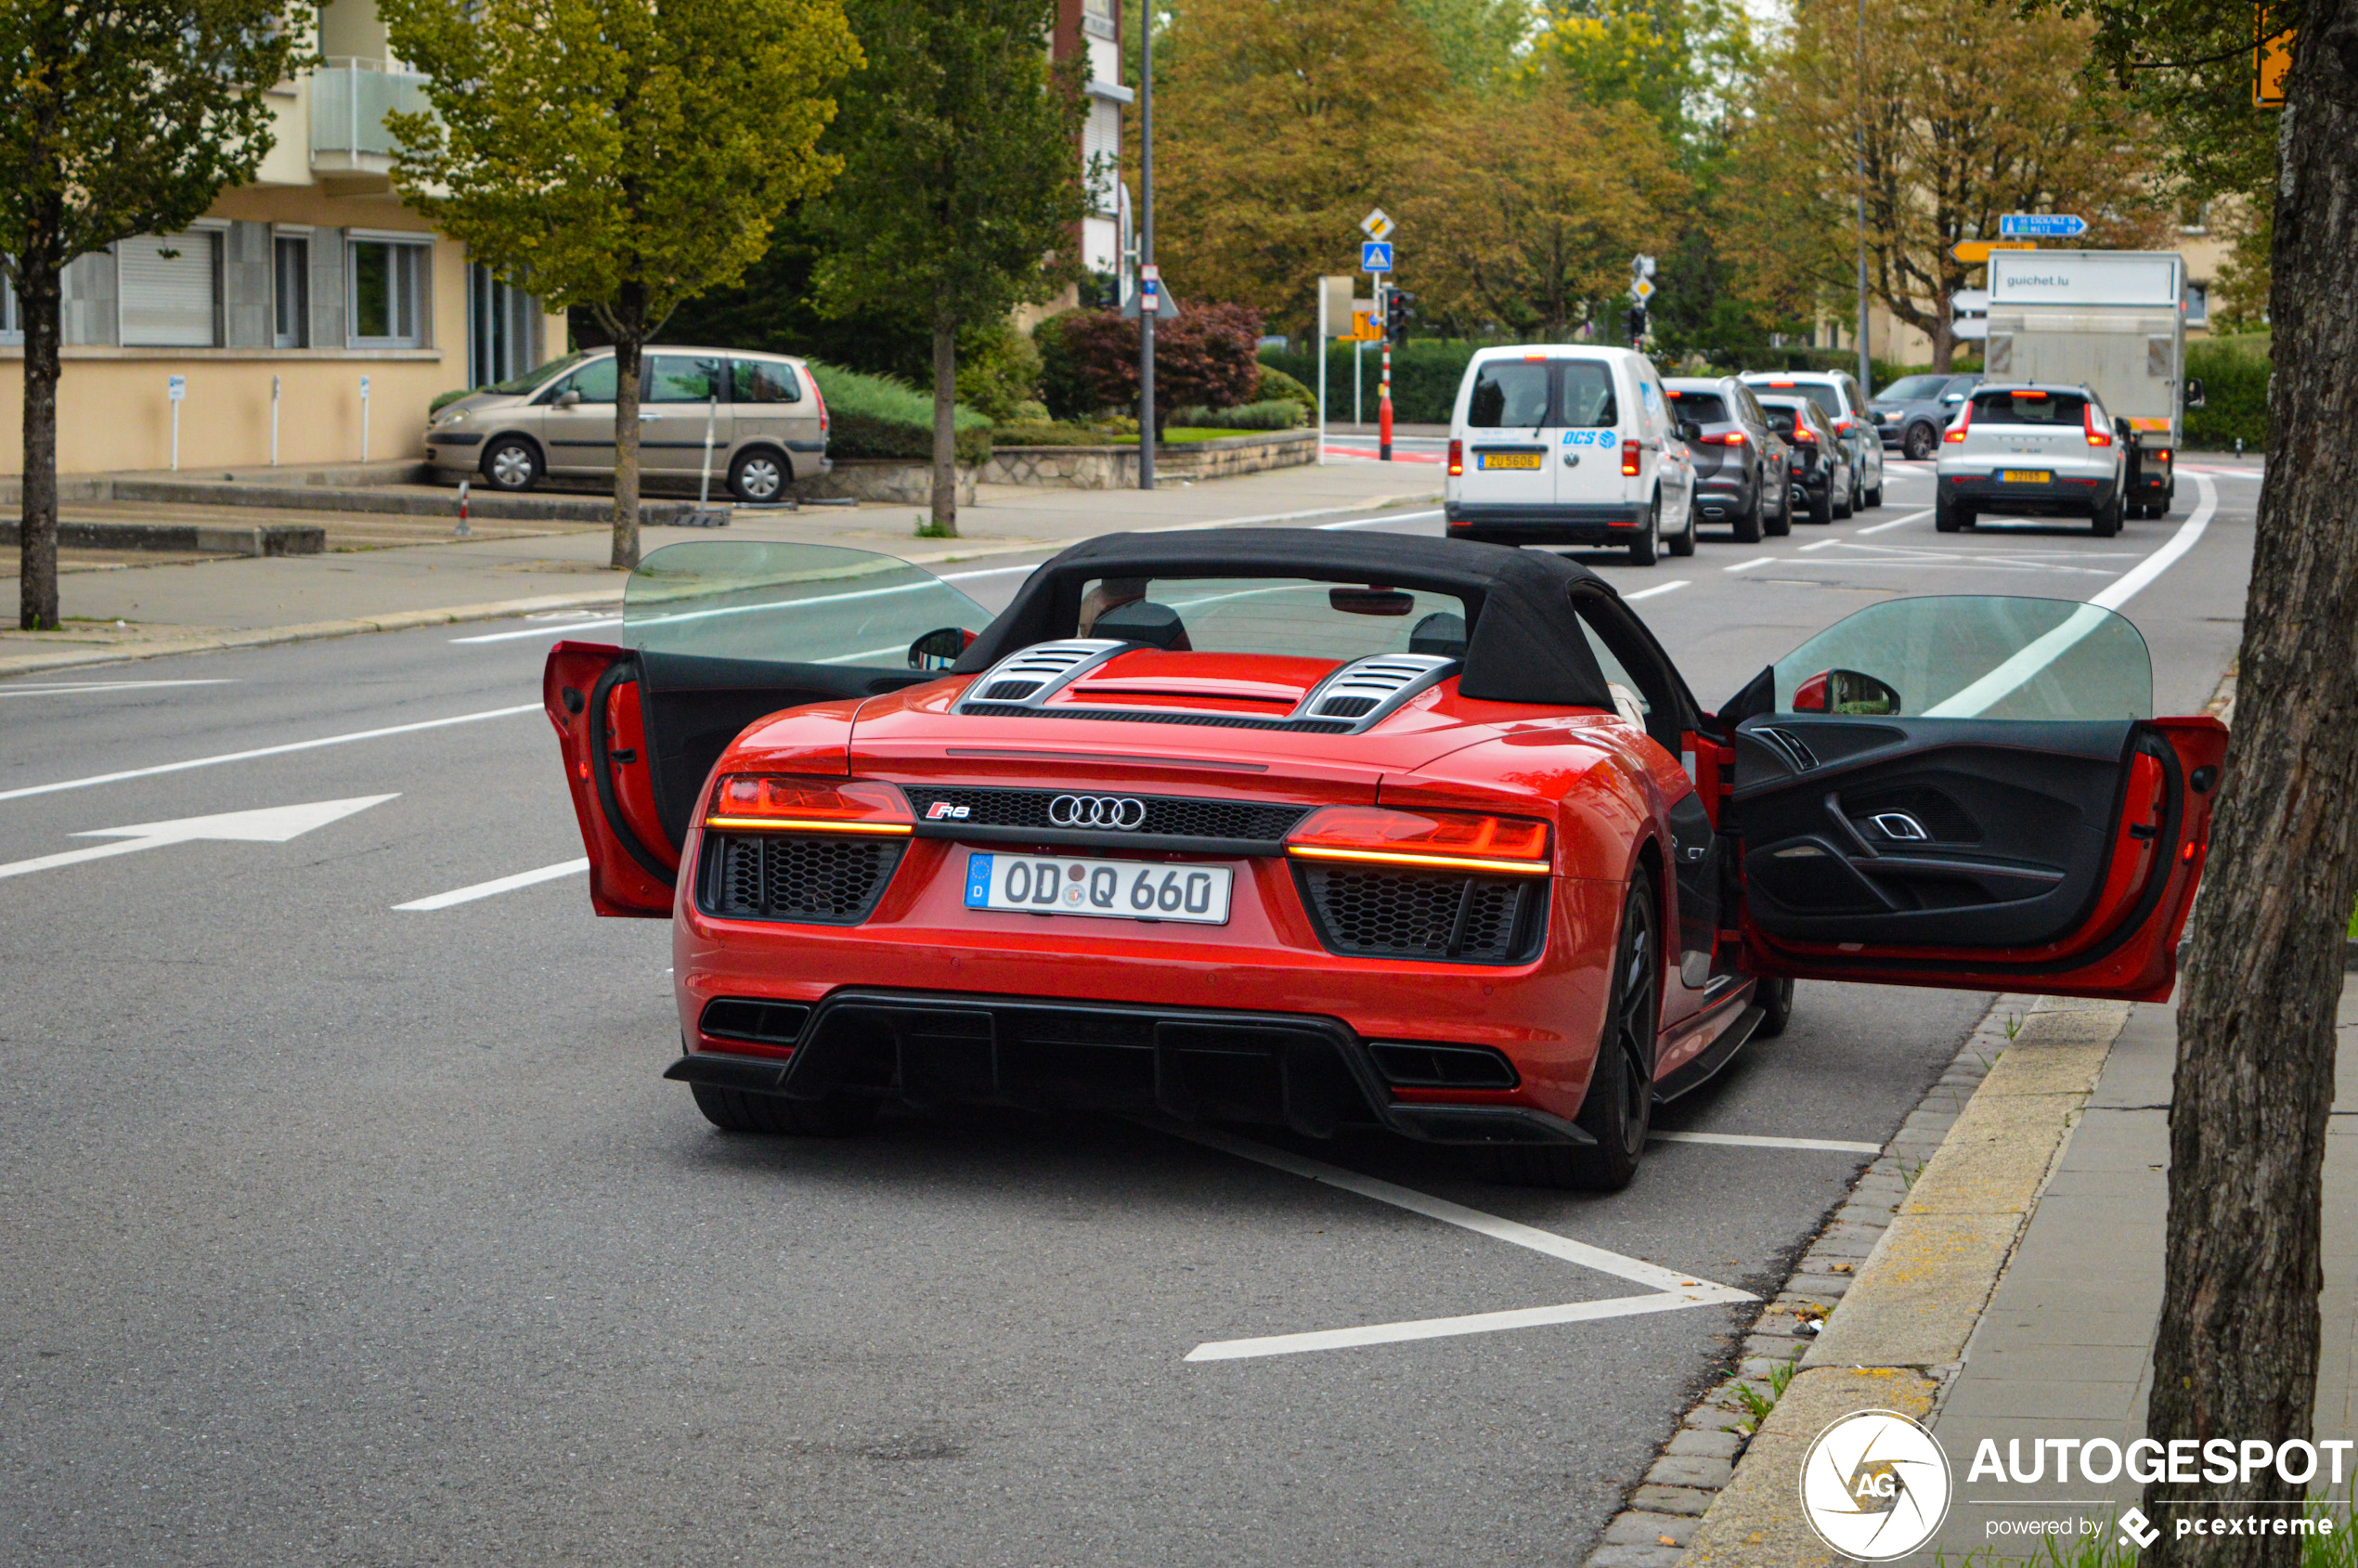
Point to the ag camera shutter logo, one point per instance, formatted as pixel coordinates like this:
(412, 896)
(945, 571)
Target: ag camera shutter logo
(1875, 1485)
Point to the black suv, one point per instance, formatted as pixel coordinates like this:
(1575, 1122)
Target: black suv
(1911, 413)
(1821, 466)
(1740, 459)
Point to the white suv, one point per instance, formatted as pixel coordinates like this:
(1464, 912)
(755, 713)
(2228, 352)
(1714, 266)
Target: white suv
(1838, 397)
(1566, 444)
(2033, 451)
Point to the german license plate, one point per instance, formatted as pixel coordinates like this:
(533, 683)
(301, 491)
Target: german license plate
(1511, 459)
(2028, 476)
(1109, 890)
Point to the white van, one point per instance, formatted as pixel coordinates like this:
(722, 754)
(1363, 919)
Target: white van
(1568, 443)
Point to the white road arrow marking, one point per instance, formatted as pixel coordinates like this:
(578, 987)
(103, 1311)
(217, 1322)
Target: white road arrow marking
(272, 824)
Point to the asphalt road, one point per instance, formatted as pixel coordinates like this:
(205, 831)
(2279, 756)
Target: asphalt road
(338, 1232)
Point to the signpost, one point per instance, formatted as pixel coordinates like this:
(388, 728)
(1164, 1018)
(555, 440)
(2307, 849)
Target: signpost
(1335, 305)
(1975, 252)
(2042, 225)
(1375, 255)
(1377, 224)
(2271, 58)
(176, 390)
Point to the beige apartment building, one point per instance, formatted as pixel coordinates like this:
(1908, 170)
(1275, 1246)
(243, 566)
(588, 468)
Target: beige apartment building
(310, 315)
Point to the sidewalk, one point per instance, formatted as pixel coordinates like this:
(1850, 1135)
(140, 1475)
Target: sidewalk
(2065, 1348)
(178, 605)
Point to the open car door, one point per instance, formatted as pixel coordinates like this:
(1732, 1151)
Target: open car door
(1970, 792)
(716, 636)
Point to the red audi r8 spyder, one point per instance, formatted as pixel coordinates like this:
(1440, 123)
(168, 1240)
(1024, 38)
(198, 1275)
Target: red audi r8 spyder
(1312, 829)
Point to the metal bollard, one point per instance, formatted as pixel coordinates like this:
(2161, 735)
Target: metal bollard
(462, 531)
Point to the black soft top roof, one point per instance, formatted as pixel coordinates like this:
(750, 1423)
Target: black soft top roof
(1523, 646)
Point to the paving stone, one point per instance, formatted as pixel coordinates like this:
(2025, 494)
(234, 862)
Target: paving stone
(1709, 1444)
(1690, 1469)
(1836, 1249)
(1648, 1529)
(1635, 1557)
(1690, 1501)
(1874, 1217)
(1774, 1347)
(1820, 1286)
(1714, 1417)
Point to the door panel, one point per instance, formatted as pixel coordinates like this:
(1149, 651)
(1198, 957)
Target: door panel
(578, 688)
(680, 394)
(580, 439)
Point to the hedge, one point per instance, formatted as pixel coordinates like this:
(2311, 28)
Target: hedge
(2235, 387)
(885, 416)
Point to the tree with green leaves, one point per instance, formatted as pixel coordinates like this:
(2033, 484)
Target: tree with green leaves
(619, 155)
(962, 182)
(118, 117)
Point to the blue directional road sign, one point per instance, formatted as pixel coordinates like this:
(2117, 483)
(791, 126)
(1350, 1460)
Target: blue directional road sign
(1375, 255)
(2042, 225)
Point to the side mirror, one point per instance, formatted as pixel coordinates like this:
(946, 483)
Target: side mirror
(1690, 431)
(1846, 692)
(568, 398)
(2128, 436)
(939, 649)
(2194, 391)
(1952, 397)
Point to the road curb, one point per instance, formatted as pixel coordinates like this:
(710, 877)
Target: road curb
(405, 620)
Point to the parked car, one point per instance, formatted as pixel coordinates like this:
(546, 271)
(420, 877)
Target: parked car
(1009, 881)
(2035, 451)
(1568, 443)
(755, 420)
(1740, 459)
(1912, 412)
(1839, 397)
(1820, 469)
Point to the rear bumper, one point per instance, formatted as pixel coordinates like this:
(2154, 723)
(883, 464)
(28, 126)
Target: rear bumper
(1722, 497)
(2066, 495)
(1589, 524)
(1309, 1074)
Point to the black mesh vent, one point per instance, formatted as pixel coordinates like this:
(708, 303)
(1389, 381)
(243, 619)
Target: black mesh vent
(1167, 816)
(824, 878)
(1010, 691)
(764, 1023)
(1424, 915)
(1346, 707)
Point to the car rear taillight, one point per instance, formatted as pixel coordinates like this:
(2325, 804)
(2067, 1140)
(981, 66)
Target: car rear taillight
(1457, 459)
(1429, 840)
(2097, 434)
(1732, 438)
(1842, 427)
(1630, 456)
(780, 804)
(1964, 423)
(1804, 435)
(821, 398)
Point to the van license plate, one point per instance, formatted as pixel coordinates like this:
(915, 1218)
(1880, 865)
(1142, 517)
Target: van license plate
(1511, 459)
(1109, 890)
(2028, 476)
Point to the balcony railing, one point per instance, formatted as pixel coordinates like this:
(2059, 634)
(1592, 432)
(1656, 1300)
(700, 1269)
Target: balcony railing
(349, 101)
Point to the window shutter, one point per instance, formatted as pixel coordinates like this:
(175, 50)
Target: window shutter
(168, 301)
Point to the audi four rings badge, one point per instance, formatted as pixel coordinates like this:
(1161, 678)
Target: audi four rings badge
(1096, 810)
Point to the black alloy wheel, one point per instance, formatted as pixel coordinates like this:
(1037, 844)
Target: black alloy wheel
(1753, 523)
(1918, 443)
(1618, 1110)
(1646, 549)
(1774, 998)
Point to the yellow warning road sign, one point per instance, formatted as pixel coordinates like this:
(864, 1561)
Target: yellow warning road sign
(2271, 58)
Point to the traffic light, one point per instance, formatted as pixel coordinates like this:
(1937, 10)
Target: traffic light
(1637, 323)
(1395, 314)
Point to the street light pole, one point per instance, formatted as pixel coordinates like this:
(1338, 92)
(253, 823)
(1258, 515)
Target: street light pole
(1866, 365)
(1147, 245)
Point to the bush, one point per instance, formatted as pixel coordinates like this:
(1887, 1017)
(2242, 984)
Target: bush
(1281, 413)
(1043, 432)
(998, 369)
(2235, 388)
(1089, 360)
(885, 416)
(1275, 383)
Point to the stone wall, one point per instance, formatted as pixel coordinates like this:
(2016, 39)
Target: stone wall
(1116, 468)
(883, 479)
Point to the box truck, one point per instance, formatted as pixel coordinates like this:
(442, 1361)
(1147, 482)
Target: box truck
(2113, 321)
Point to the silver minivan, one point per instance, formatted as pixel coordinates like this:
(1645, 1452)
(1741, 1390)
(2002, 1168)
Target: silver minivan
(766, 419)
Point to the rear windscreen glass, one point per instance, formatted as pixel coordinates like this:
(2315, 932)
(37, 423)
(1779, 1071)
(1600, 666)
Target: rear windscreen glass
(1587, 395)
(1704, 408)
(2046, 407)
(1509, 392)
(1274, 616)
(1780, 420)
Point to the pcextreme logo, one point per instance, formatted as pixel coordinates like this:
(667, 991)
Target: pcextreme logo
(1874, 1485)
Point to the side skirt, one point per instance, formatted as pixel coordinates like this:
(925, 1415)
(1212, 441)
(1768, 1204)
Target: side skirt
(1717, 1055)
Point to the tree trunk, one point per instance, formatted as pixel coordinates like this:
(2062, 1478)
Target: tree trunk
(2237, 1352)
(1944, 337)
(945, 429)
(629, 356)
(37, 302)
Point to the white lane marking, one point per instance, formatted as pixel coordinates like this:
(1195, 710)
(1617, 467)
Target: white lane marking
(1746, 1140)
(1671, 587)
(1674, 1292)
(988, 572)
(1756, 561)
(2017, 672)
(269, 751)
(1819, 545)
(1380, 521)
(1912, 517)
(272, 824)
(498, 886)
(542, 630)
(75, 689)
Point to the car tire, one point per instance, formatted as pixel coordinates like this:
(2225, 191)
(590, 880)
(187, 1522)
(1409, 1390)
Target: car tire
(1753, 523)
(1950, 518)
(511, 463)
(1773, 996)
(1821, 508)
(1646, 549)
(2107, 522)
(1683, 542)
(1916, 445)
(758, 476)
(1874, 500)
(1618, 1110)
(734, 1110)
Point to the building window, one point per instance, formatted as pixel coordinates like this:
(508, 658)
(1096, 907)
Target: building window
(388, 294)
(2197, 305)
(290, 291)
(169, 288)
(11, 319)
(503, 329)
(2194, 217)
(1096, 18)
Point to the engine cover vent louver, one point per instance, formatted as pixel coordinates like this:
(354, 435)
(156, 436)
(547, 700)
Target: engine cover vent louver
(1352, 700)
(1369, 689)
(1032, 675)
